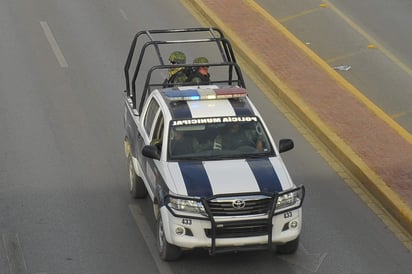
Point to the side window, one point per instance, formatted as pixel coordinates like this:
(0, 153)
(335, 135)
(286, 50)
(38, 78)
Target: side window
(158, 129)
(157, 136)
(150, 115)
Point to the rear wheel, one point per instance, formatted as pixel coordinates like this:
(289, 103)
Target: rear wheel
(167, 251)
(289, 247)
(136, 186)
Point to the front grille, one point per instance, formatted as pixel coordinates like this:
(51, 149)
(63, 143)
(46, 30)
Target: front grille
(240, 206)
(248, 228)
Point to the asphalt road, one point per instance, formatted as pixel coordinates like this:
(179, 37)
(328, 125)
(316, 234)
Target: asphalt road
(64, 202)
(372, 37)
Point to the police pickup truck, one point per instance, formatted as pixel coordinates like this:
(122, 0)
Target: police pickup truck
(203, 153)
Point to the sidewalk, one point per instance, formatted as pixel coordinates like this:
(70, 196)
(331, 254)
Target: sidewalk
(369, 143)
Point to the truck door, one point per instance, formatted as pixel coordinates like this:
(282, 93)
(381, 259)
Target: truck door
(156, 139)
(153, 127)
(149, 114)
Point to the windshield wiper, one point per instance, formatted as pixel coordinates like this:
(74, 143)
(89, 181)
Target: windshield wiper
(247, 156)
(198, 158)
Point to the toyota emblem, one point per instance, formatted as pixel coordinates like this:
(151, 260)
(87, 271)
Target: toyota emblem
(238, 204)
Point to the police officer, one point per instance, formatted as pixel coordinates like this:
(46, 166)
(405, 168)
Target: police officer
(234, 137)
(201, 75)
(177, 74)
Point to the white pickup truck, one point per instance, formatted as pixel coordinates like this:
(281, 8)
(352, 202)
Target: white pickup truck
(203, 153)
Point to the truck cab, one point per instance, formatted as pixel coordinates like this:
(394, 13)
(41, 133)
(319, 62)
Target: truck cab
(203, 153)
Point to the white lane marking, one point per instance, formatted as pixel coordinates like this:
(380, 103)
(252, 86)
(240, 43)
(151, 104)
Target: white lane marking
(15, 258)
(149, 238)
(124, 15)
(55, 47)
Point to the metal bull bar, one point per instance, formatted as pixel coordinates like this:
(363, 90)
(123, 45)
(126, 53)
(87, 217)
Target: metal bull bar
(265, 223)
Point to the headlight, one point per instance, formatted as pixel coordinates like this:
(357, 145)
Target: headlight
(286, 200)
(185, 205)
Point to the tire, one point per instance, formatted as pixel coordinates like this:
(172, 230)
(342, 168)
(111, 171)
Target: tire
(289, 247)
(136, 186)
(167, 252)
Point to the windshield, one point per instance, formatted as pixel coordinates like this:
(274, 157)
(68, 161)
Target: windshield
(218, 138)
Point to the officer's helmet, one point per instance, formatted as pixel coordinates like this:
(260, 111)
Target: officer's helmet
(177, 57)
(200, 60)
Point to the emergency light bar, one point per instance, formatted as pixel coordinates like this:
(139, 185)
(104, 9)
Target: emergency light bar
(205, 94)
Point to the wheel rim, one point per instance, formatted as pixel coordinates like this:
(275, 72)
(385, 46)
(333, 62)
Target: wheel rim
(156, 210)
(131, 176)
(161, 234)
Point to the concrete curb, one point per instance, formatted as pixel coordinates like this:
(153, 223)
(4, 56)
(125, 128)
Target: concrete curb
(388, 198)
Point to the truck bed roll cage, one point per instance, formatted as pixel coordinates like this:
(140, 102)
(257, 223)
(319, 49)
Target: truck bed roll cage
(214, 35)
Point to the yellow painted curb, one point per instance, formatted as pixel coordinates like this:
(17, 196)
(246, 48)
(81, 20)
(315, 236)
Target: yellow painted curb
(388, 198)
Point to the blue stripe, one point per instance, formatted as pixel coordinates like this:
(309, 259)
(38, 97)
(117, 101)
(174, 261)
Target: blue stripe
(196, 179)
(241, 107)
(265, 175)
(159, 180)
(180, 109)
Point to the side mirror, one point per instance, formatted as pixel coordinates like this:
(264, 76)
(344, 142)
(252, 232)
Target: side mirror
(151, 152)
(286, 145)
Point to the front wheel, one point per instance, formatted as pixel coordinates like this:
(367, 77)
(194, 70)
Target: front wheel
(136, 186)
(289, 247)
(167, 251)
